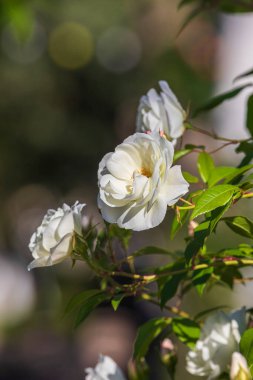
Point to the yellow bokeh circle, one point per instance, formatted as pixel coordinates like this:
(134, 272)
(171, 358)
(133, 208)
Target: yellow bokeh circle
(71, 45)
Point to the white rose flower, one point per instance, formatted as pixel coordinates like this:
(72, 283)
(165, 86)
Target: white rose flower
(53, 239)
(137, 182)
(161, 113)
(219, 338)
(239, 368)
(106, 369)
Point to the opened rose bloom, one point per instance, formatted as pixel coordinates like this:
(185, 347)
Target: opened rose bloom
(239, 368)
(137, 182)
(220, 337)
(161, 112)
(106, 369)
(53, 240)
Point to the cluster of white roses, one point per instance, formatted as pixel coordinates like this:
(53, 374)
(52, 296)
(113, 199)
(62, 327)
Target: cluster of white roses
(216, 351)
(136, 182)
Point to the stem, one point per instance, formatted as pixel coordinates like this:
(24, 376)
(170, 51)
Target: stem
(247, 195)
(214, 136)
(172, 309)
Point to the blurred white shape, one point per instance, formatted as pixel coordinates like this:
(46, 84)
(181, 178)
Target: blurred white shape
(106, 369)
(17, 295)
(27, 51)
(119, 49)
(235, 57)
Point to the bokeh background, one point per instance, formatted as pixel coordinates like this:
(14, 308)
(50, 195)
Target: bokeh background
(71, 75)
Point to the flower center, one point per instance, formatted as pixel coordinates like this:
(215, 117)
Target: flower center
(145, 172)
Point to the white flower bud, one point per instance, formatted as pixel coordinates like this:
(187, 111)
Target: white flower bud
(161, 113)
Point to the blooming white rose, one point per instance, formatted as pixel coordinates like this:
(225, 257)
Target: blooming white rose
(239, 369)
(219, 338)
(106, 369)
(52, 242)
(161, 113)
(137, 182)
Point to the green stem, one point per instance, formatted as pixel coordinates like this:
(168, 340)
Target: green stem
(172, 309)
(214, 136)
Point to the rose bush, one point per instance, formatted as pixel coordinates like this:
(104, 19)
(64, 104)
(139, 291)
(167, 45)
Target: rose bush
(137, 182)
(53, 240)
(161, 113)
(220, 337)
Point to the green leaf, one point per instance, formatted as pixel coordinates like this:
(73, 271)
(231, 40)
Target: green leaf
(200, 278)
(151, 250)
(240, 225)
(177, 224)
(243, 75)
(186, 330)
(220, 173)
(81, 298)
(217, 100)
(249, 120)
(213, 198)
(246, 347)
(190, 178)
(168, 285)
(194, 13)
(147, 333)
(246, 148)
(116, 301)
(90, 304)
(181, 153)
(233, 177)
(121, 234)
(205, 165)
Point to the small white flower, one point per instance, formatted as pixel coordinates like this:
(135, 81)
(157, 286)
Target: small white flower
(239, 368)
(106, 369)
(53, 239)
(219, 338)
(162, 113)
(137, 182)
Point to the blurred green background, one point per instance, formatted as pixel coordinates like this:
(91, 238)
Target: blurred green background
(71, 75)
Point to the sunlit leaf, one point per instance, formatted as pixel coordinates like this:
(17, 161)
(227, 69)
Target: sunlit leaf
(186, 330)
(205, 165)
(240, 225)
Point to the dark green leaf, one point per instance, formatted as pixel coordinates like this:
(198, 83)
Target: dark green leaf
(121, 234)
(168, 285)
(213, 198)
(200, 234)
(246, 347)
(186, 330)
(147, 333)
(249, 120)
(217, 100)
(81, 298)
(205, 166)
(240, 225)
(90, 304)
(150, 250)
(246, 74)
(194, 13)
(200, 278)
(246, 148)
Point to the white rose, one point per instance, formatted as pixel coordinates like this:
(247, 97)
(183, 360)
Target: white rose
(161, 113)
(106, 369)
(219, 338)
(52, 242)
(137, 182)
(239, 368)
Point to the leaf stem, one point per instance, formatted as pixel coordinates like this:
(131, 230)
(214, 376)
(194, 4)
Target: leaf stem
(172, 309)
